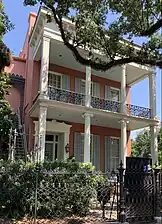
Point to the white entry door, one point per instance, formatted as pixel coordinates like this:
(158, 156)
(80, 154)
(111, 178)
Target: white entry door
(52, 147)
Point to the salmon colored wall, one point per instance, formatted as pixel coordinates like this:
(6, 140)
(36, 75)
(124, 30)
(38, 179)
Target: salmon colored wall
(14, 98)
(97, 130)
(129, 144)
(17, 66)
(31, 22)
(27, 54)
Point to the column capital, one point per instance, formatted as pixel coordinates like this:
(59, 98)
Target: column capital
(46, 38)
(123, 121)
(87, 115)
(124, 67)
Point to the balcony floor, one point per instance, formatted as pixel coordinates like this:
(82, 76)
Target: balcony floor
(74, 113)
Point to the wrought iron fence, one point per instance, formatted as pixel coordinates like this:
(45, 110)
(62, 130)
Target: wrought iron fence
(66, 96)
(105, 104)
(138, 111)
(58, 197)
(96, 102)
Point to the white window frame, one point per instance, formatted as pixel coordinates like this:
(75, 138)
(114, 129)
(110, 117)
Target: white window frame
(113, 88)
(113, 137)
(54, 142)
(57, 74)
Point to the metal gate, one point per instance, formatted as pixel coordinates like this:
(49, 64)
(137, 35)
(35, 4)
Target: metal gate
(139, 185)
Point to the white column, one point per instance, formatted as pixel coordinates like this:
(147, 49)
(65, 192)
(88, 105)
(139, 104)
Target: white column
(42, 132)
(152, 94)
(88, 87)
(123, 152)
(154, 128)
(87, 136)
(154, 144)
(44, 68)
(123, 91)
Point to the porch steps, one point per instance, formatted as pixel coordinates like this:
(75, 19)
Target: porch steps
(20, 150)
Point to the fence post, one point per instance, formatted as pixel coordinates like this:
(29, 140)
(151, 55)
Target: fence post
(157, 192)
(122, 215)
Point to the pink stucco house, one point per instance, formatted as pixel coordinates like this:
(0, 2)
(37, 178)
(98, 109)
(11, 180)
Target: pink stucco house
(72, 110)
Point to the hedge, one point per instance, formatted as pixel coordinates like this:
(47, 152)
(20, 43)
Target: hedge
(46, 190)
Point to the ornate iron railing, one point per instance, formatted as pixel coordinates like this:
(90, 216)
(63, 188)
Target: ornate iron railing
(96, 102)
(105, 104)
(66, 96)
(138, 111)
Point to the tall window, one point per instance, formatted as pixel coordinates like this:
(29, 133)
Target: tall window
(112, 153)
(54, 80)
(94, 149)
(115, 157)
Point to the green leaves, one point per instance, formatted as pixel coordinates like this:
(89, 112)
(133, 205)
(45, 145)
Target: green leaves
(56, 189)
(142, 145)
(5, 109)
(93, 30)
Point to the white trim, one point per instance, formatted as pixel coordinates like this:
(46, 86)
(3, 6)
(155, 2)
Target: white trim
(138, 79)
(35, 50)
(79, 108)
(54, 142)
(55, 73)
(35, 26)
(115, 137)
(57, 127)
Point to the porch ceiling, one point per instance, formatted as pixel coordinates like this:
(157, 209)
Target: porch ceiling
(65, 112)
(61, 55)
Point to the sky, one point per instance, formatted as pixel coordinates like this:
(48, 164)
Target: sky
(18, 15)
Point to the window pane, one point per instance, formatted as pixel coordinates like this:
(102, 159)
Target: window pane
(49, 138)
(54, 80)
(49, 151)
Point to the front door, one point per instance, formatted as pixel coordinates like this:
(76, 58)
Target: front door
(51, 147)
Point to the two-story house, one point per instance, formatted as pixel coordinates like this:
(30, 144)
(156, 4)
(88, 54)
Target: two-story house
(72, 110)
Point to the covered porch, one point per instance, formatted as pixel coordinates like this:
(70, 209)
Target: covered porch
(58, 125)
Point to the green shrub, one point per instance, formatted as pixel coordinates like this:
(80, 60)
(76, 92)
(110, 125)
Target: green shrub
(62, 188)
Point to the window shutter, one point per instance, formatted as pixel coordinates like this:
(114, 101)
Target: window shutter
(107, 154)
(79, 147)
(107, 92)
(77, 85)
(66, 82)
(96, 89)
(96, 151)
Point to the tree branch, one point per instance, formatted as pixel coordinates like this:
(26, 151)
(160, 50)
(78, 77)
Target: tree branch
(152, 29)
(102, 66)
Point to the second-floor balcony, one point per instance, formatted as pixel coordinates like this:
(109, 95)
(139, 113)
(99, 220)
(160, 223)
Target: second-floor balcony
(98, 103)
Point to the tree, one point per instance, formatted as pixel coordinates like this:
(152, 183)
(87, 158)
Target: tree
(5, 60)
(141, 146)
(93, 31)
